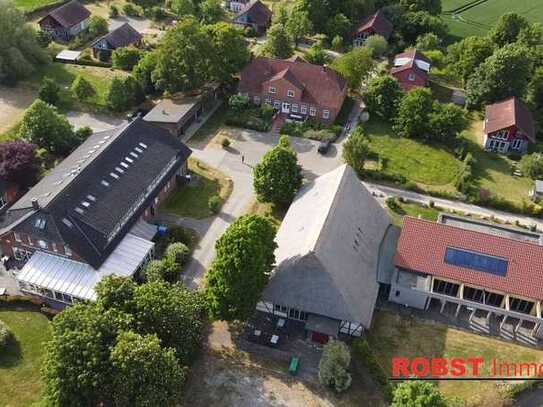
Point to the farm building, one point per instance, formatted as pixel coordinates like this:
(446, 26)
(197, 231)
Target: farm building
(66, 21)
(508, 127)
(411, 68)
(376, 24)
(254, 15)
(471, 267)
(328, 257)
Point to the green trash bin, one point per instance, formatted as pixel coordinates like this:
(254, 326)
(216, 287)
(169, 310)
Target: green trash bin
(293, 368)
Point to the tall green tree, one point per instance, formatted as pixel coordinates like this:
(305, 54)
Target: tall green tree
(417, 394)
(45, 127)
(534, 94)
(355, 66)
(382, 96)
(278, 43)
(183, 58)
(356, 150)
(505, 73)
(20, 52)
(413, 24)
(508, 29)
(298, 25)
(339, 25)
(334, 365)
(183, 8)
(143, 71)
(447, 120)
(230, 53)
(278, 176)
(145, 374)
(431, 6)
(49, 91)
(240, 271)
(211, 11)
(414, 112)
(82, 88)
(465, 56)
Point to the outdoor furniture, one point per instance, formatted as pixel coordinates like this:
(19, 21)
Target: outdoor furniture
(274, 340)
(293, 367)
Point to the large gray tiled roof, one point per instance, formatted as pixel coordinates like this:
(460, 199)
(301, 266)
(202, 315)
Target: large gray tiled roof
(329, 249)
(136, 153)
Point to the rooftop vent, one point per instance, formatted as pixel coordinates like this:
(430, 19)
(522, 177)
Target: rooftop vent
(67, 222)
(85, 204)
(35, 204)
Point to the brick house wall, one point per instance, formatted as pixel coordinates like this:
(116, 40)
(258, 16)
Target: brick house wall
(507, 138)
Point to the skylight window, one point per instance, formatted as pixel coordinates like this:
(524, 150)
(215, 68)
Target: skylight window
(67, 222)
(133, 154)
(79, 210)
(114, 175)
(125, 165)
(138, 150)
(119, 170)
(91, 198)
(85, 204)
(143, 145)
(128, 159)
(105, 183)
(476, 261)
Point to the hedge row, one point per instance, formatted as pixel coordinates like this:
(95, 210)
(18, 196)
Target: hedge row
(364, 353)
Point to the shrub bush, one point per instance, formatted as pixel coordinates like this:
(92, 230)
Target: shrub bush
(177, 252)
(392, 204)
(5, 334)
(173, 234)
(335, 361)
(131, 10)
(225, 142)
(363, 352)
(214, 203)
(113, 11)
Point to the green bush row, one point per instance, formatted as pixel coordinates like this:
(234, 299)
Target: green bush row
(364, 353)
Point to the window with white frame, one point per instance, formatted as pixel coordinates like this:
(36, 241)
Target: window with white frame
(412, 77)
(517, 143)
(312, 111)
(257, 100)
(303, 109)
(277, 104)
(43, 244)
(326, 114)
(294, 108)
(272, 89)
(502, 134)
(268, 100)
(290, 93)
(17, 237)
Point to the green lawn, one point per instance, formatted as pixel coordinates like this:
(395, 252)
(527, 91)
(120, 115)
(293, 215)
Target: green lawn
(426, 164)
(413, 209)
(20, 365)
(393, 335)
(192, 201)
(29, 5)
(494, 171)
(478, 19)
(212, 125)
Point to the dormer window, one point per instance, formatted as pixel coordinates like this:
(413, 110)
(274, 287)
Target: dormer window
(290, 93)
(272, 89)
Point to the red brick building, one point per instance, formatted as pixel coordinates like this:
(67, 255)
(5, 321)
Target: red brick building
(376, 24)
(294, 88)
(411, 68)
(508, 127)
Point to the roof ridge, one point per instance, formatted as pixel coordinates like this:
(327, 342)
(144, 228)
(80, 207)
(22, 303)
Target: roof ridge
(444, 225)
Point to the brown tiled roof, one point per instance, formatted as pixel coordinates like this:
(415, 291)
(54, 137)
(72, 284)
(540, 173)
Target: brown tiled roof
(69, 14)
(378, 23)
(507, 113)
(321, 85)
(422, 247)
(258, 13)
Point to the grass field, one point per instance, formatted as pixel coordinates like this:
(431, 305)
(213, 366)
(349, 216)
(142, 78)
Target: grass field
(29, 5)
(412, 209)
(20, 363)
(469, 17)
(426, 164)
(393, 335)
(192, 201)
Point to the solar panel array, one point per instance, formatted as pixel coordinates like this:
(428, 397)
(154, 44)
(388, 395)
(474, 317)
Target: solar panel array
(476, 261)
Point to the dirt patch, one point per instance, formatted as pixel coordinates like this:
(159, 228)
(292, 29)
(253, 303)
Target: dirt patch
(13, 102)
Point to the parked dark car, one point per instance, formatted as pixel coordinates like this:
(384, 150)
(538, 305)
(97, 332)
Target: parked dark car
(324, 146)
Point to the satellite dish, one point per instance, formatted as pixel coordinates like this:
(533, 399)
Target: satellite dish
(364, 117)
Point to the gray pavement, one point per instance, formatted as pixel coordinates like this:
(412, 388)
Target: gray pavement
(96, 121)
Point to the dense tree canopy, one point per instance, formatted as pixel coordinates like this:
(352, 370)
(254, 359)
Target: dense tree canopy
(355, 66)
(414, 112)
(82, 88)
(505, 73)
(431, 6)
(278, 43)
(298, 24)
(20, 52)
(278, 176)
(356, 150)
(240, 271)
(49, 91)
(508, 29)
(465, 56)
(334, 365)
(446, 122)
(382, 96)
(417, 394)
(18, 162)
(126, 57)
(45, 127)
(414, 24)
(531, 165)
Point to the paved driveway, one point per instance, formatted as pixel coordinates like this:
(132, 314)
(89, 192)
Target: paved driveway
(96, 121)
(13, 102)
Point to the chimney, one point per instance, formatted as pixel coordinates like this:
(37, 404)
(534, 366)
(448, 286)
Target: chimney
(35, 204)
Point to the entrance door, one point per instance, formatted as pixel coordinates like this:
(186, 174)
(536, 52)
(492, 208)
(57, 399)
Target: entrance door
(285, 107)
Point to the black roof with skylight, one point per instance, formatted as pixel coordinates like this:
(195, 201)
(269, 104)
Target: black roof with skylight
(85, 200)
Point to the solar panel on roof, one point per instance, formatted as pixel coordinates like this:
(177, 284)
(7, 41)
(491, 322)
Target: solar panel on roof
(476, 261)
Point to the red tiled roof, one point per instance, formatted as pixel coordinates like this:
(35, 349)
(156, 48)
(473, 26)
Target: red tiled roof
(422, 248)
(507, 113)
(321, 85)
(411, 55)
(258, 13)
(378, 23)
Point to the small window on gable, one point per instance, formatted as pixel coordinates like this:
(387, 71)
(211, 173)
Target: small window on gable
(272, 89)
(290, 93)
(411, 77)
(326, 114)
